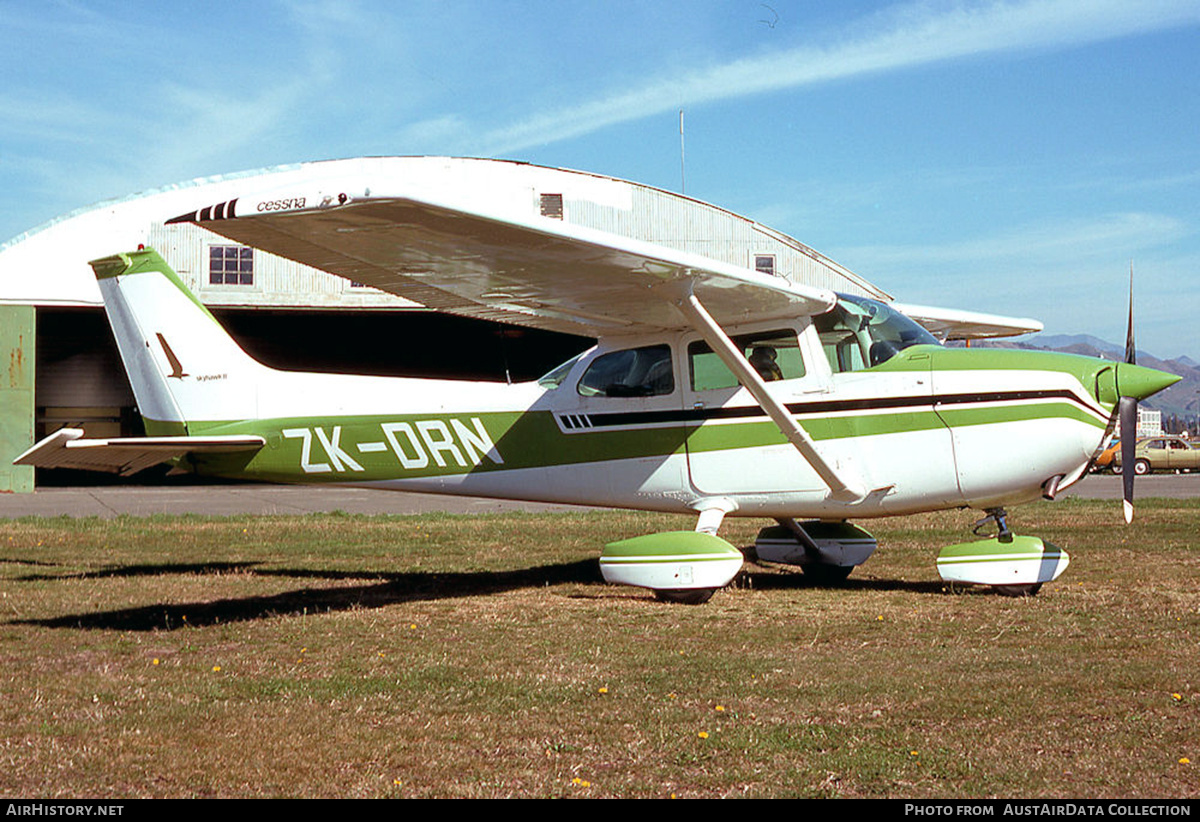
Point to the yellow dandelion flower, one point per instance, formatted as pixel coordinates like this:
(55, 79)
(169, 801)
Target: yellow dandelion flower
(720, 707)
(154, 661)
(1183, 760)
(879, 618)
(703, 734)
(1177, 697)
(914, 753)
(216, 668)
(603, 690)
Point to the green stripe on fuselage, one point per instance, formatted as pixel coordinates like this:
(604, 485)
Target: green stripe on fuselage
(359, 448)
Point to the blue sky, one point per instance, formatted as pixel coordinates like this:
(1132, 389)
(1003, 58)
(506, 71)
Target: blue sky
(1011, 157)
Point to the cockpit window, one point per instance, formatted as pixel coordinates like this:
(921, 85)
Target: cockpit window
(861, 333)
(633, 372)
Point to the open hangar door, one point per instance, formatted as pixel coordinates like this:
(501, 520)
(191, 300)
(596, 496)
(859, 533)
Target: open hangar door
(81, 383)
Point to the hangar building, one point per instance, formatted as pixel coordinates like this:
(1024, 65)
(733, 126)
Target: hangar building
(62, 367)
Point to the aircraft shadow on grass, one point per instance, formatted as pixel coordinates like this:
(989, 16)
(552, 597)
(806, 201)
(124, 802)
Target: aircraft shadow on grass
(382, 590)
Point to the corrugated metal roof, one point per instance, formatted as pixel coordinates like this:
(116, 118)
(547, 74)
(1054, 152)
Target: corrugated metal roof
(57, 252)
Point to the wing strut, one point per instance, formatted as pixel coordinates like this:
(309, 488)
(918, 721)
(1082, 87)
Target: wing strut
(843, 485)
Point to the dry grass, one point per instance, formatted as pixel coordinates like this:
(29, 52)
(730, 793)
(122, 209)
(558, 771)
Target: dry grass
(453, 656)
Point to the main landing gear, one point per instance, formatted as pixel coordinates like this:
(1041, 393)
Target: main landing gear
(684, 567)
(1015, 566)
(825, 551)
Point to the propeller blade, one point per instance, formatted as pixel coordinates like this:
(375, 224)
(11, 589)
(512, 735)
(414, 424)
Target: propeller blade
(1130, 348)
(1127, 409)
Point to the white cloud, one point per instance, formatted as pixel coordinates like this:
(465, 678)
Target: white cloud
(914, 35)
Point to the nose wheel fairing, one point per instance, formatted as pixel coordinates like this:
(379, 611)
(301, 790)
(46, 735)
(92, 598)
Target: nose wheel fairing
(1014, 564)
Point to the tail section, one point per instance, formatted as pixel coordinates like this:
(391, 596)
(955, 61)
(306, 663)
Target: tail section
(182, 365)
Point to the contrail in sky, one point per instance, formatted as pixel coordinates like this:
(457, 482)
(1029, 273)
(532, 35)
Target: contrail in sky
(917, 35)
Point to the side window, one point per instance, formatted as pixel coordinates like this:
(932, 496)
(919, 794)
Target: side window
(775, 355)
(841, 342)
(634, 372)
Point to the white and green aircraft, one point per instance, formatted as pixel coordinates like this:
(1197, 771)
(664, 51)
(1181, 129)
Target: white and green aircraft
(713, 389)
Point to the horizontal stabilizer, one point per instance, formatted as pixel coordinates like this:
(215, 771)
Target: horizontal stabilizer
(66, 448)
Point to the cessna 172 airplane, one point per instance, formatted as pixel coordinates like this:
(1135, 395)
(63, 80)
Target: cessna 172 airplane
(713, 389)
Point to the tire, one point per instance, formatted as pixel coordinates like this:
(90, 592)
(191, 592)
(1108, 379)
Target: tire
(1141, 467)
(1116, 468)
(820, 574)
(691, 596)
(1027, 590)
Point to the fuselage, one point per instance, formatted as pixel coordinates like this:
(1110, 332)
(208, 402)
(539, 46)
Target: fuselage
(930, 428)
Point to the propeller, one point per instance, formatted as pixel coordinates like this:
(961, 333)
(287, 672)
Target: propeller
(1134, 382)
(1127, 413)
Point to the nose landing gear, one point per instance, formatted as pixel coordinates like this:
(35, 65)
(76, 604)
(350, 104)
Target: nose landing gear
(1013, 565)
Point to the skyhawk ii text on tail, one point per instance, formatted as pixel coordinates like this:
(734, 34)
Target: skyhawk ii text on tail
(713, 389)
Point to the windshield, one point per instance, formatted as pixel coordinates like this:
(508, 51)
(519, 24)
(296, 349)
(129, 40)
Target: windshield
(861, 333)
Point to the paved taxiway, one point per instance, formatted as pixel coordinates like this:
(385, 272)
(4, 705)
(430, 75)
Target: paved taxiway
(229, 499)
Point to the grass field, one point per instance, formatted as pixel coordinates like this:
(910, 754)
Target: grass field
(333, 655)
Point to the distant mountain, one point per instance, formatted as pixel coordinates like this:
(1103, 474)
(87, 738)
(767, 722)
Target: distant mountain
(1058, 342)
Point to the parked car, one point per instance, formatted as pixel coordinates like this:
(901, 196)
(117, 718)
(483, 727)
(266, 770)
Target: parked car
(1166, 453)
(1105, 460)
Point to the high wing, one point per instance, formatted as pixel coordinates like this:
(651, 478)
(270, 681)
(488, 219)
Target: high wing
(66, 448)
(515, 268)
(953, 324)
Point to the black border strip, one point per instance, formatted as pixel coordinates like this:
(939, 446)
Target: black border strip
(701, 415)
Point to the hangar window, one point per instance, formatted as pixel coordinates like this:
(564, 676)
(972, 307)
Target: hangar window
(552, 206)
(765, 263)
(230, 265)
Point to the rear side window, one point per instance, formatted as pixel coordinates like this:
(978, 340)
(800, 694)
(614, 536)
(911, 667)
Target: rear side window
(633, 372)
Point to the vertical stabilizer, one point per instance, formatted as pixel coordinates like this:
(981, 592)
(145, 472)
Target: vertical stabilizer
(182, 365)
